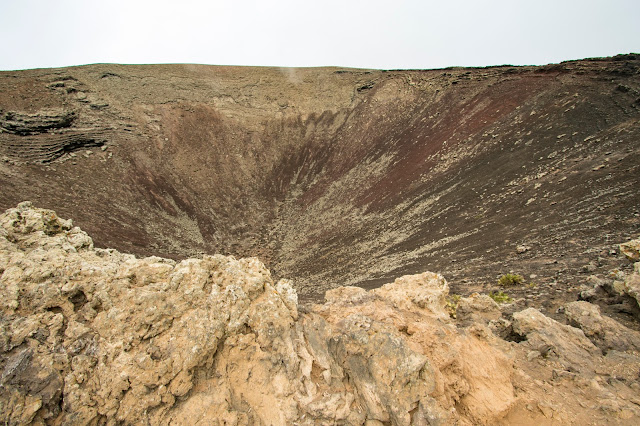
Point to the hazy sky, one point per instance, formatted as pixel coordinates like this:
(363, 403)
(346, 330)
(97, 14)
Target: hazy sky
(368, 34)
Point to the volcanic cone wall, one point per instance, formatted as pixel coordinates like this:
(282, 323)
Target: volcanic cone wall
(335, 176)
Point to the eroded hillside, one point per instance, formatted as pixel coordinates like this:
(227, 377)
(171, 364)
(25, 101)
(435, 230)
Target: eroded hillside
(338, 176)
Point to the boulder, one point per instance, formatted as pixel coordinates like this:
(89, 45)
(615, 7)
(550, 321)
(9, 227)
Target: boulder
(561, 343)
(631, 284)
(631, 249)
(606, 333)
(469, 377)
(478, 308)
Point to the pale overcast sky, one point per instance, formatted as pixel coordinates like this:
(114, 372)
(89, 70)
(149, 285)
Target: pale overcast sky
(353, 33)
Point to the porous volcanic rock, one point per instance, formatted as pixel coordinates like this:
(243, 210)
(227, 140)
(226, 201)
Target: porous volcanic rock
(94, 336)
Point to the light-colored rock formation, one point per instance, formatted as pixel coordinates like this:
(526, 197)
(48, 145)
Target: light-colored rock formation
(631, 249)
(568, 345)
(94, 336)
(463, 375)
(478, 308)
(121, 338)
(631, 283)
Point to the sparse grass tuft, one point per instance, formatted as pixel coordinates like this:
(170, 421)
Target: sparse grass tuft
(452, 305)
(508, 280)
(500, 297)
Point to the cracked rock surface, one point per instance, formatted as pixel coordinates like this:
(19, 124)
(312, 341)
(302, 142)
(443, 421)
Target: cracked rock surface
(95, 336)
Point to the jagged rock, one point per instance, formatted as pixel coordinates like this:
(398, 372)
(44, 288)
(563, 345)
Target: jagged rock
(591, 289)
(124, 338)
(469, 375)
(93, 334)
(604, 332)
(631, 285)
(568, 345)
(502, 328)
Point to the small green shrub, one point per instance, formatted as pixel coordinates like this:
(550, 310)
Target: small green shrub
(500, 297)
(508, 280)
(452, 305)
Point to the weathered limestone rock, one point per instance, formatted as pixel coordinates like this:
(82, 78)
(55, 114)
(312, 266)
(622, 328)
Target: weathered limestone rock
(469, 375)
(94, 336)
(122, 338)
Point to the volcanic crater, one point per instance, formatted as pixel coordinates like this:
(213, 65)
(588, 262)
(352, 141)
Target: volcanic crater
(336, 176)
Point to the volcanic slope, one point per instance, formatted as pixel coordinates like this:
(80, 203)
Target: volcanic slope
(337, 176)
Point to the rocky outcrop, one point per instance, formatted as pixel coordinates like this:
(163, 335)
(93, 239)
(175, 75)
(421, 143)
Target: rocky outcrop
(22, 123)
(631, 283)
(94, 336)
(623, 288)
(404, 324)
(631, 249)
(38, 149)
(606, 333)
(115, 337)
